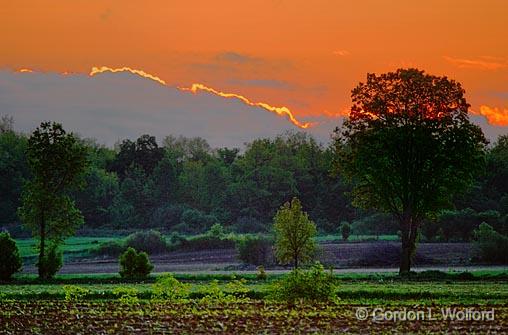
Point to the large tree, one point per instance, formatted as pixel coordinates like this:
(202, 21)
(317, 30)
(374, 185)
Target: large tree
(57, 161)
(407, 147)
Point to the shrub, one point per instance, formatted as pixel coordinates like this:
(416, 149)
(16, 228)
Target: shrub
(10, 260)
(134, 264)
(126, 295)
(254, 250)
(176, 239)
(315, 284)
(491, 244)
(194, 221)
(247, 224)
(217, 230)
(168, 288)
(151, 242)
(261, 274)
(167, 216)
(75, 293)
(51, 262)
(345, 230)
(110, 248)
(203, 242)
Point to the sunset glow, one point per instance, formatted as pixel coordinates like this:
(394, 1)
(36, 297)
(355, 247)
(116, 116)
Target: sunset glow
(296, 59)
(282, 111)
(102, 69)
(495, 116)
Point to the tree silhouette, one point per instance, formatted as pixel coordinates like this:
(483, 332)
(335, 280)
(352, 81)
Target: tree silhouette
(407, 147)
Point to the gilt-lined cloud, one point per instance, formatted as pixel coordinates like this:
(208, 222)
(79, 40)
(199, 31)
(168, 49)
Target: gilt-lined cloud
(114, 106)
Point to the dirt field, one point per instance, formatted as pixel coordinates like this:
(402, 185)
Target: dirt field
(363, 256)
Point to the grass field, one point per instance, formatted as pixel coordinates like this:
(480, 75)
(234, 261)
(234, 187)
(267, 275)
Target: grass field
(73, 246)
(214, 305)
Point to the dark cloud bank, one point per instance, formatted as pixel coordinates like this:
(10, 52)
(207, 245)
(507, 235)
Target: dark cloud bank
(110, 107)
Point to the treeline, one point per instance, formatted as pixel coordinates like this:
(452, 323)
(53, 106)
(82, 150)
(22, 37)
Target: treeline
(184, 185)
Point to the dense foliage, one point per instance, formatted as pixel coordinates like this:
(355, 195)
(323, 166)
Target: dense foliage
(10, 260)
(314, 284)
(57, 161)
(255, 250)
(294, 234)
(408, 147)
(135, 264)
(491, 244)
(192, 187)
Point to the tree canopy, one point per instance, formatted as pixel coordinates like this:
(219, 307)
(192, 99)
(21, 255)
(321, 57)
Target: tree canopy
(57, 162)
(408, 147)
(294, 234)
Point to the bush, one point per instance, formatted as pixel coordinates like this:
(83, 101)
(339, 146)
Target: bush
(167, 287)
(345, 230)
(261, 274)
(134, 264)
(110, 248)
(167, 216)
(75, 293)
(247, 224)
(254, 250)
(315, 284)
(194, 221)
(217, 230)
(176, 240)
(491, 244)
(10, 260)
(151, 242)
(51, 263)
(203, 242)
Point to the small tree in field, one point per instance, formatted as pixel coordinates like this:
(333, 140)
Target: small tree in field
(10, 260)
(294, 234)
(135, 264)
(57, 161)
(345, 230)
(407, 147)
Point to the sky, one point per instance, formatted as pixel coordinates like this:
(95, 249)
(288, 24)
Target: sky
(302, 55)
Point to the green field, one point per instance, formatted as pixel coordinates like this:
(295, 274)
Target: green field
(221, 303)
(73, 246)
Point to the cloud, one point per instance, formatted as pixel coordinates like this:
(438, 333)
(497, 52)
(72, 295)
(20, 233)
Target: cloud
(269, 83)
(113, 106)
(106, 14)
(238, 58)
(495, 116)
(482, 63)
(341, 53)
(234, 63)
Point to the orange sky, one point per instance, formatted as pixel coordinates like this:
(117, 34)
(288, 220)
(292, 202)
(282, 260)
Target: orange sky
(306, 55)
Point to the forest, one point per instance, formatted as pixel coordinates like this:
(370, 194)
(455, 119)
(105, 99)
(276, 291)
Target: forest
(181, 184)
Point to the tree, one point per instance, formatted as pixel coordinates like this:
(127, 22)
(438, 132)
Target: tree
(10, 260)
(57, 162)
(135, 264)
(13, 171)
(294, 234)
(407, 147)
(144, 153)
(345, 230)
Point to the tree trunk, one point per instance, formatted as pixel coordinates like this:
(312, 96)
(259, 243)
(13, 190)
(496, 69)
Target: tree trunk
(295, 262)
(409, 229)
(42, 247)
